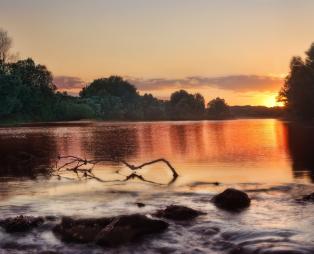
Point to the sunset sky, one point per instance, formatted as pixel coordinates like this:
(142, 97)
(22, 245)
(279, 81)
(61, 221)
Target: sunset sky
(236, 49)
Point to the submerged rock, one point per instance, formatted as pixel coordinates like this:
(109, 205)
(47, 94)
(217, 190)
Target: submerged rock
(309, 197)
(232, 200)
(21, 223)
(140, 205)
(108, 232)
(176, 212)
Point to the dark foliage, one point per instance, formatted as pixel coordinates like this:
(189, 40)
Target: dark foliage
(218, 109)
(26, 91)
(298, 90)
(185, 106)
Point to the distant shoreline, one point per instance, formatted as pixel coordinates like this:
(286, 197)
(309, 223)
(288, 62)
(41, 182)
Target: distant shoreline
(92, 121)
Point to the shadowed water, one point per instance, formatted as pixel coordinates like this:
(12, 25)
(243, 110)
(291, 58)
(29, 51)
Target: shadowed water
(270, 159)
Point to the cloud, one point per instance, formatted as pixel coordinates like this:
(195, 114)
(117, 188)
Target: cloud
(68, 82)
(237, 83)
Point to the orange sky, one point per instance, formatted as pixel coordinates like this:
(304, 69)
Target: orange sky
(239, 50)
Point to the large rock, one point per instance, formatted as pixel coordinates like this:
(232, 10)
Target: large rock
(179, 213)
(20, 223)
(309, 197)
(108, 232)
(232, 200)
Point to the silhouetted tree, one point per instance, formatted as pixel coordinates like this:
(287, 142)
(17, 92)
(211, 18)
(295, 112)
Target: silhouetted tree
(71, 108)
(298, 90)
(38, 88)
(27, 91)
(184, 106)
(218, 109)
(153, 109)
(114, 86)
(116, 97)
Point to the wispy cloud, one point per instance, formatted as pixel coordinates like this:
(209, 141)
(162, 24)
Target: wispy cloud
(68, 82)
(237, 83)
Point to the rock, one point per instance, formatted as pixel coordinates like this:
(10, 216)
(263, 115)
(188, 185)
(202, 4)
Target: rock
(178, 213)
(130, 228)
(81, 230)
(232, 200)
(108, 232)
(140, 205)
(309, 197)
(21, 223)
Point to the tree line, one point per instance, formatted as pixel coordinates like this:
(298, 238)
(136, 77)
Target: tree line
(27, 93)
(297, 92)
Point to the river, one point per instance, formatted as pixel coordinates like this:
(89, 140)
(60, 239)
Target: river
(271, 160)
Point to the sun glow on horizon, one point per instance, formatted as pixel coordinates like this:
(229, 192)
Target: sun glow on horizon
(271, 101)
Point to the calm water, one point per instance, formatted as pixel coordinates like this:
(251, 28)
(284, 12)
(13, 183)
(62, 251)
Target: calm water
(271, 159)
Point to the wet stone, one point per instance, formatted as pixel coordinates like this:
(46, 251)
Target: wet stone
(140, 205)
(109, 232)
(232, 200)
(21, 223)
(309, 197)
(178, 213)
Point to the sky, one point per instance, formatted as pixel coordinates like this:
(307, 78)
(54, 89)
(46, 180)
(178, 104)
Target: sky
(236, 49)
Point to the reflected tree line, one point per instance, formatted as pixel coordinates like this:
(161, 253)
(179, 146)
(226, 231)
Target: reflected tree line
(32, 154)
(27, 155)
(300, 140)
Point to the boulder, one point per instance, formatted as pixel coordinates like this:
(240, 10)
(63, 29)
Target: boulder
(80, 230)
(178, 213)
(232, 200)
(21, 223)
(108, 232)
(309, 197)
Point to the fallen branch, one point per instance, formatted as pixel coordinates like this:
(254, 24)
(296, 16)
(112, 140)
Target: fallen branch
(83, 168)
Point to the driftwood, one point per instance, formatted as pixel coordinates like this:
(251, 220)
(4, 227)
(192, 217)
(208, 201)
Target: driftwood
(83, 169)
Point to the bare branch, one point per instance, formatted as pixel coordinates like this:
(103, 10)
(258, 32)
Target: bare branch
(5, 45)
(83, 169)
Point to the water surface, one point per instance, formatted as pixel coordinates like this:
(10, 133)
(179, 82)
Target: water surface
(270, 159)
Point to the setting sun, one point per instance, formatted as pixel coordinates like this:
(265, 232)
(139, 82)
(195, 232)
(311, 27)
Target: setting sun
(271, 101)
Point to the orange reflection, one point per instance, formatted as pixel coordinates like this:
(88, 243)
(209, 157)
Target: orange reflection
(235, 151)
